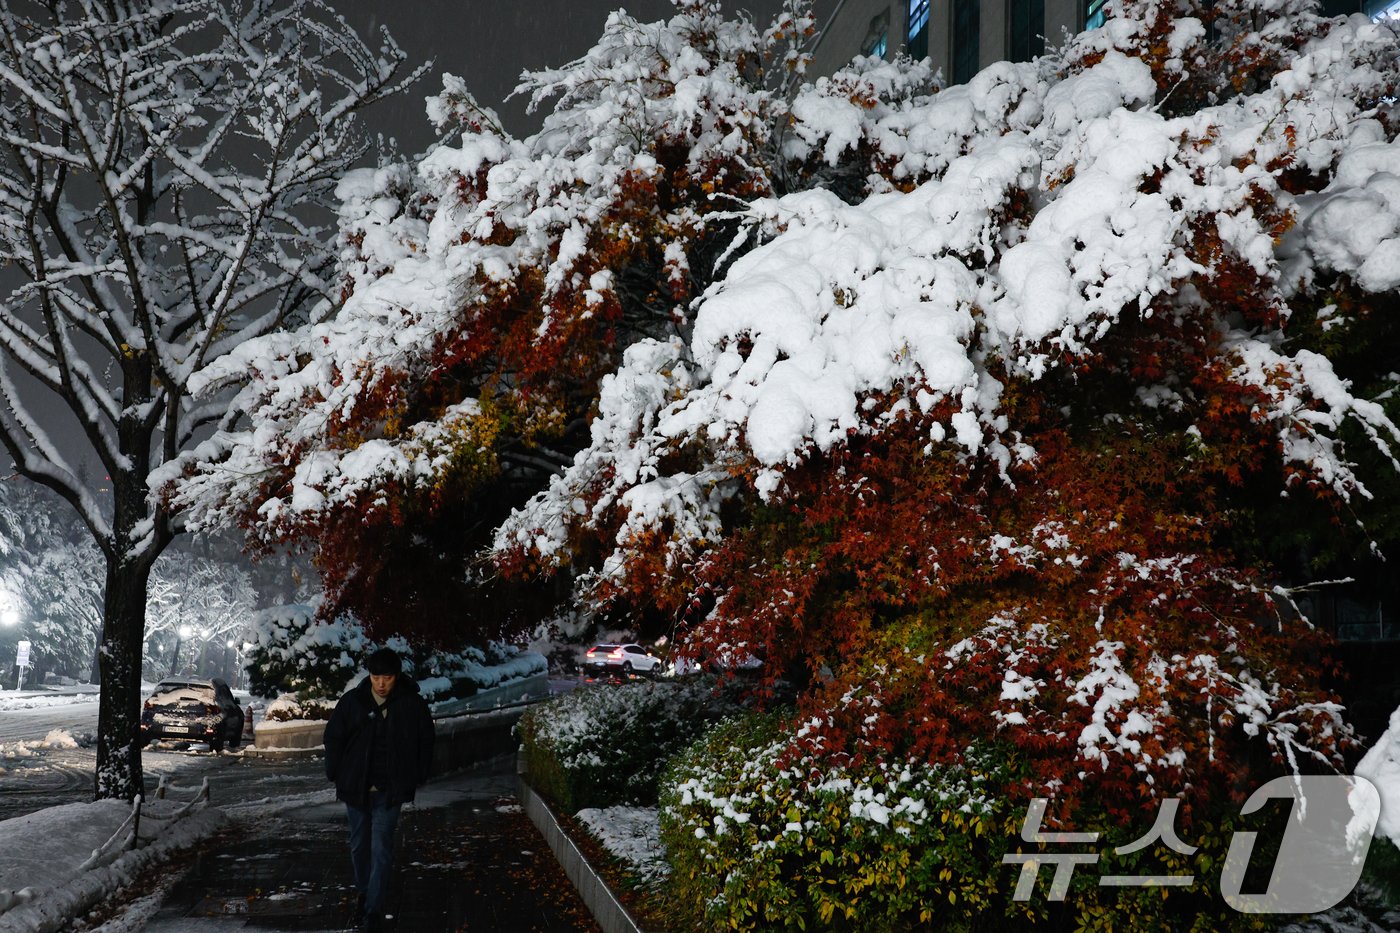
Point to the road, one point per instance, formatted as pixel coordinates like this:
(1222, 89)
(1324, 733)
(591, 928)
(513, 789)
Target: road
(76, 715)
(33, 777)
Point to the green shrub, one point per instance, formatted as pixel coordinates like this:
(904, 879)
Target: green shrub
(605, 745)
(1382, 872)
(757, 845)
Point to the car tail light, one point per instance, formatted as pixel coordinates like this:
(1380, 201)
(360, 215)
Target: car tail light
(146, 705)
(615, 654)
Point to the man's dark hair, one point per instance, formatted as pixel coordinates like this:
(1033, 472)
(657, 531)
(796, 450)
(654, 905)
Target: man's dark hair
(384, 661)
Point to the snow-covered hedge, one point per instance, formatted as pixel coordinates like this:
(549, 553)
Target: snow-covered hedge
(312, 662)
(605, 745)
(451, 675)
(760, 839)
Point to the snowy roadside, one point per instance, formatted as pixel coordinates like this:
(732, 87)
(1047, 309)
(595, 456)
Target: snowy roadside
(59, 862)
(15, 700)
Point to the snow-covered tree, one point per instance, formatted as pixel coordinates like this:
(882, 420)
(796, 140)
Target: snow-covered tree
(160, 171)
(997, 450)
(489, 288)
(982, 408)
(213, 600)
(51, 577)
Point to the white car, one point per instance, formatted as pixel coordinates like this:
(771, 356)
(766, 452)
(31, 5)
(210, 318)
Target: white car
(626, 659)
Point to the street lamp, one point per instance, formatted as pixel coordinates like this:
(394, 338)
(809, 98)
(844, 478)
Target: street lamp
(9, 618)
(182, 635)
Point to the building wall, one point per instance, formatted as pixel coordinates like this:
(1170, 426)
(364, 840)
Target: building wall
(847, 26)
(845, 30)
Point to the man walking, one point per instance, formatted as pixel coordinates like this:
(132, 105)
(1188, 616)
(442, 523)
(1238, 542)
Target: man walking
(379, 749)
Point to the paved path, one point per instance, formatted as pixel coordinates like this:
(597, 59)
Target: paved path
(468, 859)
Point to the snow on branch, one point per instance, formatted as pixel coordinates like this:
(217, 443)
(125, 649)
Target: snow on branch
(133, 223)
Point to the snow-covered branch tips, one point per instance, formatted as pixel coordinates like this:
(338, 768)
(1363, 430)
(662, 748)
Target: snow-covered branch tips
(161, 174)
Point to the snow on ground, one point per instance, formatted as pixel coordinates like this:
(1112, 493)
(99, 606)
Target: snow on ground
(633, 834)
(13, 700)
(58, 862)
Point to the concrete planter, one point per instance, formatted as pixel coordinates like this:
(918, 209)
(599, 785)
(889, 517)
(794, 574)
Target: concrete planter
(295, 735)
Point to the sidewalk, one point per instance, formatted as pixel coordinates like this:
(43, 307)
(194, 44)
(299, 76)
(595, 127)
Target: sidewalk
(468, 859)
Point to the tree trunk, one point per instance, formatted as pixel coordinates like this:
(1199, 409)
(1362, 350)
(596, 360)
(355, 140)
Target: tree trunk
(119, 711)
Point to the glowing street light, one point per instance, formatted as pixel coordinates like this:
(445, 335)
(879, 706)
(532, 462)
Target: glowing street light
(9, 618)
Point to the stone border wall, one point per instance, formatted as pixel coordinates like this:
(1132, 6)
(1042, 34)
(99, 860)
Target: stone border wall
(279, 739)
(461, 740)
(606, 908)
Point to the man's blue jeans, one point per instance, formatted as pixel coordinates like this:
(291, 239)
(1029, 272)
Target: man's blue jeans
(372, 847)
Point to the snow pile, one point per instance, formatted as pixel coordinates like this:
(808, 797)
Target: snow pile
(632, 834)
(1381, 766)
(57, 738)
(59, 862)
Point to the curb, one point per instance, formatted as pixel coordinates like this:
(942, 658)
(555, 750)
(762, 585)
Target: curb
(604, 905)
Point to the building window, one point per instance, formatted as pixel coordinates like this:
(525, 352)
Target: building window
(917, 33)
(877, 35)
(1094, 14)
(966, 28)
(1026, 27)
(1380, 10)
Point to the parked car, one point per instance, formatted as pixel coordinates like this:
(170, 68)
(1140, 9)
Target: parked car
(193, 710)
(626, 659)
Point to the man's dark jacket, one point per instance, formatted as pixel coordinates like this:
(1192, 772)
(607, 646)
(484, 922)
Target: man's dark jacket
(406, 734)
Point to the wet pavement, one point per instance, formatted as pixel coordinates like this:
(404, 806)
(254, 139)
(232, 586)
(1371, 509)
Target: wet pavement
(467, 859)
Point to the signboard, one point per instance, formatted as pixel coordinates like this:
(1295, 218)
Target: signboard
(23, 659)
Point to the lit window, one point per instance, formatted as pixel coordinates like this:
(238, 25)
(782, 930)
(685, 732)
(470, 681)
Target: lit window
(1095, 14)
(917, 33)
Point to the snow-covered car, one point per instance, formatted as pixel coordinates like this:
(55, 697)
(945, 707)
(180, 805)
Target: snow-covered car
(626, 659)
(193, 710)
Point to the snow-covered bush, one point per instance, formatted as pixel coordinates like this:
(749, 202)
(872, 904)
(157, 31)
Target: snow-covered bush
(292, 707)
(291, 651)
(605, 745)
(761, 839)
(294, 652)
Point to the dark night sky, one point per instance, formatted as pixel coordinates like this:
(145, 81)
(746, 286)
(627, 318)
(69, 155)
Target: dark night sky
(489, 42)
